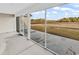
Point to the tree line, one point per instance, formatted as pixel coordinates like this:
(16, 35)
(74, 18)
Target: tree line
(42, 21)
(70, 19)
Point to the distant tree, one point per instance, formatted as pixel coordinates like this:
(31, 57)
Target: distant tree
(70, 19)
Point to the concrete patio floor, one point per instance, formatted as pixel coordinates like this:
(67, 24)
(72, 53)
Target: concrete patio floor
(60, 45)
(19, 45)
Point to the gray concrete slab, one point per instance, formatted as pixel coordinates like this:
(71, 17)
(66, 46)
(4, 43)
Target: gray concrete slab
(19, 45)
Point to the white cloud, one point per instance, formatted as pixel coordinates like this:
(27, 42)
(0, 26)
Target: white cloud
(55, 12)
(56, 8)
(76, 11)
(77, 5)
(63, 9)
(67, 9)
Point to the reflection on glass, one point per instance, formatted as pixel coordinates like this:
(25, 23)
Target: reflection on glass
(17, 24)
(21, 27)
(25, 29)
(25, 19)
(63, 29)
(38, 27)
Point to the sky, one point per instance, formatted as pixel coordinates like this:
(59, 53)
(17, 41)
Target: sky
(55, 13)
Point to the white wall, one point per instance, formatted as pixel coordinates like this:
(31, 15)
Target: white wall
(7, 23)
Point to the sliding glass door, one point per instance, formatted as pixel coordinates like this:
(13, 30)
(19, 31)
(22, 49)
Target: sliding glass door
(57, 29)
(38, 27)
(25, 19)
(54, 41)
(21, 26)
(63, 29)
(17, 24)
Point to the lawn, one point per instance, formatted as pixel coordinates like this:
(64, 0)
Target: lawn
(71, 31)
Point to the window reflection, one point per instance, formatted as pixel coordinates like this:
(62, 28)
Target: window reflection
(38, 27)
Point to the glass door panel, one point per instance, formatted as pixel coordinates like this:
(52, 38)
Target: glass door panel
(25, 18)
(38, 27)
(21, 27)
(25, 30)
(17, 24)
(63, 29)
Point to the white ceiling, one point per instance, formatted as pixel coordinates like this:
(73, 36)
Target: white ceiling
(37, 7)
(12, 8)
(22, 8)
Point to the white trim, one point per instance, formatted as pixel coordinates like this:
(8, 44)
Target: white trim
(29, 26)
(45, 29)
